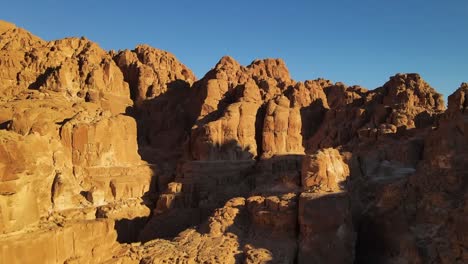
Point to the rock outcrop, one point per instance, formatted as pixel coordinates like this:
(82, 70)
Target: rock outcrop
(419, 217)
(326, 228)
(67, 149)
(125, 157)
(324, 171)
(151, 72)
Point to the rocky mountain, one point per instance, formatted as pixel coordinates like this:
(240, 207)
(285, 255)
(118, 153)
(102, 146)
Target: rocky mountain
(127, 157)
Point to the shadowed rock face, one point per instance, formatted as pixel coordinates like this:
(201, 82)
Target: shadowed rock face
(245, 165)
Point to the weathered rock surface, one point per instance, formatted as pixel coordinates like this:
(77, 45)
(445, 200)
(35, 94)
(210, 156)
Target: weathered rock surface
(230, 97)
(281, 129)
(151, 72)
(85, 241)
(77, 68)
(228, 236)
(66, 150)
(412, 215)
(125, 157)
(326, 228)
(324, 171)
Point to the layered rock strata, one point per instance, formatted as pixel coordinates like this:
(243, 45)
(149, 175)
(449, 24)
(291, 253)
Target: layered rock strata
(125, 157)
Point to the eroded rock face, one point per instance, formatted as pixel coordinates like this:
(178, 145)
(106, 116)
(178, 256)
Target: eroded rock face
(326, 228)
(85, 241)
(66, 149)
(232, 136)
(281, 129)
(24, 199)
(160, 87)
(151, 72)
(324, 171)
(407, 214)
(405, 102)
(101, 149)
(458, 101)
(77, 68)
(228, 236)
(230, 99)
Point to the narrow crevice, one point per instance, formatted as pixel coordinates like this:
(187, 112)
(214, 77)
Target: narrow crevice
(55, 185)
(18, 78)
(42, 78)
(5, 125)
(298, 232)
(259, 123)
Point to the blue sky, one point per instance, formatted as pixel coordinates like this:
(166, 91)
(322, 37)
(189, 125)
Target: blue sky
(354, 41)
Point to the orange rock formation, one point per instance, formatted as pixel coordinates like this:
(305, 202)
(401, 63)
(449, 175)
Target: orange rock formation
(125, 157)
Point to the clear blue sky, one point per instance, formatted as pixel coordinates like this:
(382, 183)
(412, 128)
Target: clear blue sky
(354, 41)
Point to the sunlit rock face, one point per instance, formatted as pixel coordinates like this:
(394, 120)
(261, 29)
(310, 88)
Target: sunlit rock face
(68, 149)
(127, 157)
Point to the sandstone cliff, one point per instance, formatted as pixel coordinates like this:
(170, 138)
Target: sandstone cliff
(127, 157)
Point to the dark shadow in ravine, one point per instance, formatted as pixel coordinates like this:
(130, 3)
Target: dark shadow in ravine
(128, 229)
(206, 185)
(195, 206)
(255, 235)
(312, 117)
(163, 125)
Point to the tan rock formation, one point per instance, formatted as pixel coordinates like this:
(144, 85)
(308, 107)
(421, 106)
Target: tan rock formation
(27, 174)
(151, 72)
(324, 171)
(406, 101)
(65, 149)
(160, 87)
(228, 237)
(281, 129)
(77, 68)
(87, 241)
(458, 101)
(232, 136)
(215, 170)
(230, 97)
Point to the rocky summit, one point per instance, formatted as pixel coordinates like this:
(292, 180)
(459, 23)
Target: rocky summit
(127, 157)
